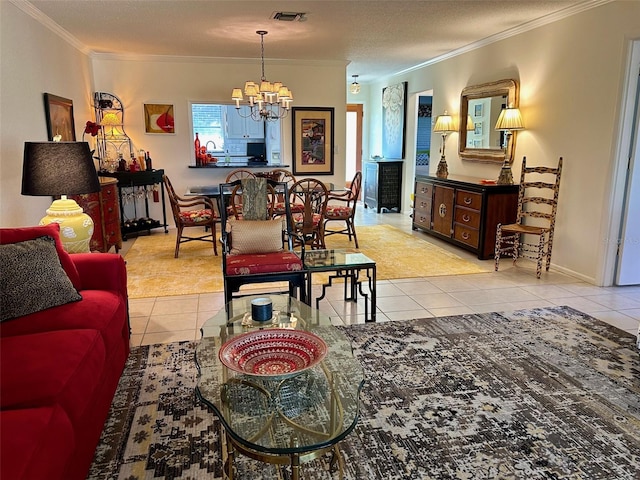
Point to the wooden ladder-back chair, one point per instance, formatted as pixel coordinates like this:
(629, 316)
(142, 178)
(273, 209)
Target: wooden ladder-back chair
(239, 174)
(344, 211)
(307, 206)
(196, 211)
(537, 207)
(253, 250)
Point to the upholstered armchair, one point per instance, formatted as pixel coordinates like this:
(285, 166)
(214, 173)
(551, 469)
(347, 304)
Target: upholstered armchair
(256, 247)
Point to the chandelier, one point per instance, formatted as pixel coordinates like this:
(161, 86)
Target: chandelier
(267, 101)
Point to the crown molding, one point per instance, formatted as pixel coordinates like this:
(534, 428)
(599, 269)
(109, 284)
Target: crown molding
(36, 14)
(525, 27)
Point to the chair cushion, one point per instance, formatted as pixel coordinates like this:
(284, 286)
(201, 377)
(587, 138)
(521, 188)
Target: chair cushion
(32, 278)
(278, 262)
(279, 208)
(196, 216)
(338, 211)
(298, 218)
(255, 236)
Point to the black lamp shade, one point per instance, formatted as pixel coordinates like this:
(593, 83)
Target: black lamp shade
(58, 168)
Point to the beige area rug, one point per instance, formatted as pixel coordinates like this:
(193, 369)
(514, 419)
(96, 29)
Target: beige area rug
(153, 272)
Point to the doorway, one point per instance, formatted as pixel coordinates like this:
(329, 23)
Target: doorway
(353, 149)
(628, 258)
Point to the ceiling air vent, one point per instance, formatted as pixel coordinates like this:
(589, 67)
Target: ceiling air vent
(288, 16)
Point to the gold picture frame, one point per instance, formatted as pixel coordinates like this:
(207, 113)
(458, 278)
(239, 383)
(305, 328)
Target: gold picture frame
(312, 133)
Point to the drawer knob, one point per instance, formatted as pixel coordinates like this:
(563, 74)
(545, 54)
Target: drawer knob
(465, 235)
(442, 210)
(466, 217)
(467, 200)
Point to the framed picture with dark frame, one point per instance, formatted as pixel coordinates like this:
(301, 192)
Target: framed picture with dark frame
(312, 133)
(58, 112)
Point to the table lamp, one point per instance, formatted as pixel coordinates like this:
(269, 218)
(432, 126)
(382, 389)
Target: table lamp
(61, 169)
(445, 125)
(510, 120)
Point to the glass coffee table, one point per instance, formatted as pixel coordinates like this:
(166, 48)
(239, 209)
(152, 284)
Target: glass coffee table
(346, 265)
(287, 419)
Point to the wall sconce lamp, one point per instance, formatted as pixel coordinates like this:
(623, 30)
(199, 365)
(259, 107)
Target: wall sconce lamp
(61, 169)
(445, 125)
(509, 121)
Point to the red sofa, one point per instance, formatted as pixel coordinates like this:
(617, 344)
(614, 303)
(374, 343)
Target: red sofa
(59, 367)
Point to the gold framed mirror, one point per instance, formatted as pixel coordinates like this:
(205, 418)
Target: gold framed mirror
(480, 106)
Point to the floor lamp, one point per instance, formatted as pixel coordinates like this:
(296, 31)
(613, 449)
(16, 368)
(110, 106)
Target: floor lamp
(59, 169)
(510, 120)
(444, 125)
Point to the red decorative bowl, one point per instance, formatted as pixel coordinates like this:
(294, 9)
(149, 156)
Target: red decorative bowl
(273, 352)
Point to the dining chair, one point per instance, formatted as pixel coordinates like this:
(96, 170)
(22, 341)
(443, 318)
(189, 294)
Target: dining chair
(186, 215)
(238, 174)
(307, 206)
(537, 207)
(344, 210)
(257, 248)
(289, 178)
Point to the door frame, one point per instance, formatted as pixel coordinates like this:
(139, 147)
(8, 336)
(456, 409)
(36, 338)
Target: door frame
(358, 109)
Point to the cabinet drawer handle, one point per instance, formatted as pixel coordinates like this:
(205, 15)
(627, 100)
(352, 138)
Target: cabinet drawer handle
(466, 218)
(467, 200)
(423, 190)
(465, 235)
(442, 211)
(422, 204)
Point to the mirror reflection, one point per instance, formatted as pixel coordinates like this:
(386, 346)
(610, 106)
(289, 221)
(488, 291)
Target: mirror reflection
(480, 106)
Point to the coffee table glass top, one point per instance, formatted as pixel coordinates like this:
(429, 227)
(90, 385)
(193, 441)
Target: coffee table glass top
(322, 259)
(280, 415)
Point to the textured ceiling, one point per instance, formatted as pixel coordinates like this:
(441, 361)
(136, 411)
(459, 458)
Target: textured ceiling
(375, 38)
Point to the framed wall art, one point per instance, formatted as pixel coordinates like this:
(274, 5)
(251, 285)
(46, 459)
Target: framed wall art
(159, 118)
(59, 115)
(312, 133)
(394, 113)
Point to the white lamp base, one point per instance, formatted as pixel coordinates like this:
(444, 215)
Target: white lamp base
(76, 227)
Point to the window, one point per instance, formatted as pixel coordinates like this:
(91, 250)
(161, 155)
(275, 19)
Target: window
(208, 122)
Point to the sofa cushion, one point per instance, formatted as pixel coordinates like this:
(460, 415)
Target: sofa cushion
(41, 369)
(99, 310)
(13, 235)
(32, 278)
(263, 263)
(38, 443)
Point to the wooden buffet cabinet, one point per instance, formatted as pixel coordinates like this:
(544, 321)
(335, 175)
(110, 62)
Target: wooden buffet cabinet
(463, 210)
(103, 208)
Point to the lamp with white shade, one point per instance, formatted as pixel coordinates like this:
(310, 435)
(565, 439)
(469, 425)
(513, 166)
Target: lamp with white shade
(509, 121)
(61, 169)
(444, 125)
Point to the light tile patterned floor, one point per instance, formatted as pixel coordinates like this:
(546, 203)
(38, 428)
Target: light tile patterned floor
(176, 318)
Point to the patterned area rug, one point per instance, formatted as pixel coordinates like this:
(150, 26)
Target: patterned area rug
(538, 394)
(153, 271)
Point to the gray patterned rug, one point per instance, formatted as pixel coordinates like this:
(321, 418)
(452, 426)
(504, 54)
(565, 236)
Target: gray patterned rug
(546, 393)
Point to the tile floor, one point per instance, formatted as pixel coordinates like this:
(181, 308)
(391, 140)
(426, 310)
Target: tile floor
(176, 318)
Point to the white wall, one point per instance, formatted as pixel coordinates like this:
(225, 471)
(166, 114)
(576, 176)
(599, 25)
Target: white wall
(179, 81)
(34, 61)
(571, 76)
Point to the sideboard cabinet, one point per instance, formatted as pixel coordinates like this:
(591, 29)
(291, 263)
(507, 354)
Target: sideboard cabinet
(103, 208)
(463, 210)
(383, 185)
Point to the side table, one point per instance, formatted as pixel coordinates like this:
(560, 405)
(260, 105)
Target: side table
(348, 266)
